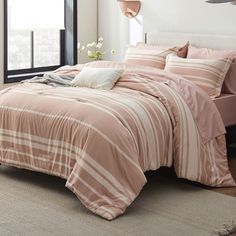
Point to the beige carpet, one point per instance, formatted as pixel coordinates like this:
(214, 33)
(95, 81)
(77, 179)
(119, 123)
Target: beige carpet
(35, 204)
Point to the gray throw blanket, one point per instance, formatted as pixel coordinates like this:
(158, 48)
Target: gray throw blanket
(52, 79)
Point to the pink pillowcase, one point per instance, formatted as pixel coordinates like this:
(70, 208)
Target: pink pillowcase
(146, 56)
(208, 74)
(181, 51)
(229, 85)
(153, 55)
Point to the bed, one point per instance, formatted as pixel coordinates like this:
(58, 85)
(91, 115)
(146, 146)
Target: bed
(103, 141)
(226, 102)
(226, 105)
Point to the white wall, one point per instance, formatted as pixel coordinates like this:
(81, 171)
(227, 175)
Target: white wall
(191, 16)
(87, 25)
(113, 27)
(1, 43)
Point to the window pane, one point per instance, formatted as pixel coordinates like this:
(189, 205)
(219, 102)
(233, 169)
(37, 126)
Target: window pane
(36, 14)
(19, 55)
(46, 48)
(25, 16)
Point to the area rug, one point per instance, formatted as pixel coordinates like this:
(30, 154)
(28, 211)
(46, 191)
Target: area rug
(36, 204)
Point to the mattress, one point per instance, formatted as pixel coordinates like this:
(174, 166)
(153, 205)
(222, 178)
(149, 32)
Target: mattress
(226, 105)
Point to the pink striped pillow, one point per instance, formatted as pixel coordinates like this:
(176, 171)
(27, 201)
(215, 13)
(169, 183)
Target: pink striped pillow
(229, 85)
(209, 74)
(155, 57)
(181, 51)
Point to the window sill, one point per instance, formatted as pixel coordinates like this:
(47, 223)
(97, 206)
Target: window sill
(23, 76)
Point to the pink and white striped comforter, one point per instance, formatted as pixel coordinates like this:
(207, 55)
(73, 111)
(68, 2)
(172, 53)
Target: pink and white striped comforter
(102, 142)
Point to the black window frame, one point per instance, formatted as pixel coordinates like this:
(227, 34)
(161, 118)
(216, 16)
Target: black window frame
(68, 46)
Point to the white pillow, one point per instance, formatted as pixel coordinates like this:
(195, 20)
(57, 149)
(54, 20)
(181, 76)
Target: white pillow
(97, 78)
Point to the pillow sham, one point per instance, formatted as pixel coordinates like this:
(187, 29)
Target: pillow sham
(229, 85)
(97, 78)
(148, 56)
(181, 51)
(208, 74)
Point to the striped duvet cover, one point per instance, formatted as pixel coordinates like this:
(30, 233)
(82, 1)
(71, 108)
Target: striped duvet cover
(102, 142)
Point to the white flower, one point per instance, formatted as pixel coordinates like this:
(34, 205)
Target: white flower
(90, 53)
(99, 45)
(93, 44)
(100, 39)
(113, 51)
(82, 48)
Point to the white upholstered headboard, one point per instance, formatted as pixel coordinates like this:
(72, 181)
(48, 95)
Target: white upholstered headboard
(200, 40)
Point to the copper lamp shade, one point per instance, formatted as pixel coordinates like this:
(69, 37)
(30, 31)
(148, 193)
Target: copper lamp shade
(130, 8)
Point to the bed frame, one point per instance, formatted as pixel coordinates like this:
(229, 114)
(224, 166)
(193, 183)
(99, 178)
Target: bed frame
(227, 42)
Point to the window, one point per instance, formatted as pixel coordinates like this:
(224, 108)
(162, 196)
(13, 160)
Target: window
(38, 36)
(29, 50)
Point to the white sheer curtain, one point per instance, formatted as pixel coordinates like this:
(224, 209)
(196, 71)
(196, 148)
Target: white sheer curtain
(36, 14)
